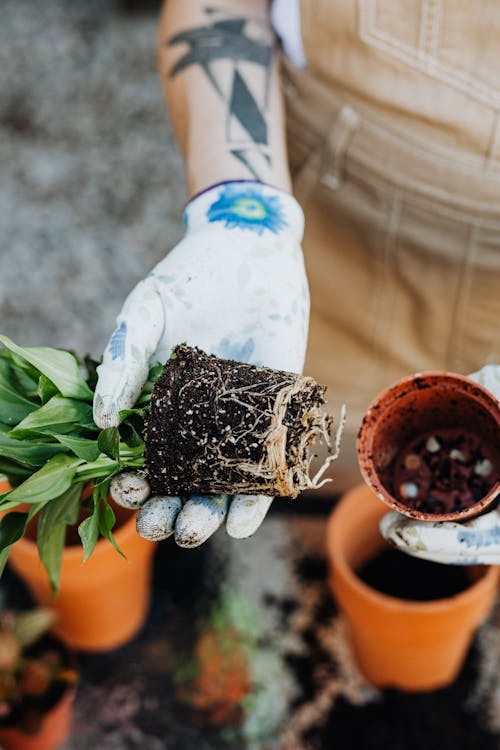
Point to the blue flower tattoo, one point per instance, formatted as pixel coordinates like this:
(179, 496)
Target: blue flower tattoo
(245, 207)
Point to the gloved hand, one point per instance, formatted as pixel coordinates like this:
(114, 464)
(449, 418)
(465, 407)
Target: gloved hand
(235, 286)
(473, 542)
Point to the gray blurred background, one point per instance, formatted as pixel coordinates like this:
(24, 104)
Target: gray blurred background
(92, 184)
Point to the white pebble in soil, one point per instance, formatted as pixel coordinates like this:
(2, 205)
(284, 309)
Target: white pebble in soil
(483, 468)
(432, 444)
(457, 455)
(408, 490)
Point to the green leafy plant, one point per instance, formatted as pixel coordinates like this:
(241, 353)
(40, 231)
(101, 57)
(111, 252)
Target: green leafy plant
(34, 673)
(51, 451)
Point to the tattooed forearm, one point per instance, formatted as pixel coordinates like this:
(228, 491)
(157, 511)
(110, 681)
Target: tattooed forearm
(247, 48)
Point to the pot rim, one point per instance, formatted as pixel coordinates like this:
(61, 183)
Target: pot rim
(364, 441)
(339, 563)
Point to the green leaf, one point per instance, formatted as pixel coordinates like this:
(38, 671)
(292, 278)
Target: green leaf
(46, 389)
(58, 366)
(89, 530)
(14, 406)
(62, 509)
(90, 425)
(106, 524)
(50, 481)
(31, 372)
(50, 550)
(12, 528)
(155, 372)
(130, 435)
(124, 413)
(103, 467)
(88, 450)
(59, 412)
(26, 376)
(109, 442)
(51, 531)
(31, 453)
(144, 400)
(15, 472)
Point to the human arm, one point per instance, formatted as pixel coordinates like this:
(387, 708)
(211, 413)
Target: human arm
(235, 285)
(219, 72)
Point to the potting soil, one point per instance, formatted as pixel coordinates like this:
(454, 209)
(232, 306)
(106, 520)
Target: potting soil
(443, 472)
(393, 573)
(223, 426)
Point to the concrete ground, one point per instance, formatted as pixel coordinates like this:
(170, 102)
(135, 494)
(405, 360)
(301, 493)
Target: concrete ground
(92, 187)
(91, 197)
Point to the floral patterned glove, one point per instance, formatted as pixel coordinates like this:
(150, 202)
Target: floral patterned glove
(235, 286)
(470, 543)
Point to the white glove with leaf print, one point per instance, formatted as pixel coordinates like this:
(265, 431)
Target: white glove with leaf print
(470, 543)
(235, 286)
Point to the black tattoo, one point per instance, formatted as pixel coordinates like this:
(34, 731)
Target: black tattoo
(240, 41)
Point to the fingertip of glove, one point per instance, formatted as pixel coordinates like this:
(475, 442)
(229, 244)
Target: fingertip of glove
(106, 413)
(155, 521)
(200, 517)
(246, 515)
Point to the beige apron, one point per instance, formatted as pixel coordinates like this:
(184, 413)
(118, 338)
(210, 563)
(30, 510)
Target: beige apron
(394, 141)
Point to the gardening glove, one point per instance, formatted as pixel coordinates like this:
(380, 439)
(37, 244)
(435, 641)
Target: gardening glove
(235, 286)
(470, 543)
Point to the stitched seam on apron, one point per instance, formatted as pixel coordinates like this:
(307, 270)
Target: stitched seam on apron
(426, 149)
(420, 61)
(331, 150)
(301, 84)
(429, 27)
(460, 303)
(424, 189)
(344, 127)
(372, 126)
(435, 207)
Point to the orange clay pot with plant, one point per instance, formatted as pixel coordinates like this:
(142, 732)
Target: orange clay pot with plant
(410, 645)
(55, 508)
(37, 683)
(100, 604)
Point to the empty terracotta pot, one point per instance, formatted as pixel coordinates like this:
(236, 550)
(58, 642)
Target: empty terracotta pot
(419, 406)
(409, 645)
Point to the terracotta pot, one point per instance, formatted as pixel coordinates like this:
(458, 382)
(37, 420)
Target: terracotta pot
(101, 603)
(417, 406)
(398, 643)
(54, 731)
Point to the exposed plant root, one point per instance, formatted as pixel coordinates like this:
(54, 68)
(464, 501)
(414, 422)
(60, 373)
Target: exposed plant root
(223, 426)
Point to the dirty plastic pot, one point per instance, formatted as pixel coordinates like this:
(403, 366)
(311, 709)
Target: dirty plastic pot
(101, 603)
(418, 406)
(409, 645)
